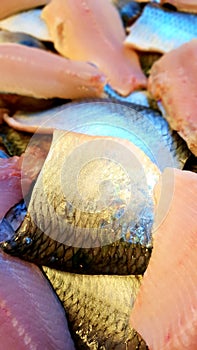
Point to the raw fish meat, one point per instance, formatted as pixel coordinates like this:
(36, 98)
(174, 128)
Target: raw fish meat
(92, 31)
(31, 316)
(10, 7)
(15, 182)
(33, 72)
(10, 184)
(161, 30)
(165, 311)
(173, 82)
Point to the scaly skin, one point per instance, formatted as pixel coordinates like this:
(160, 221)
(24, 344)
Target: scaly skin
(121, 257)
(84, 227)
(97, 308)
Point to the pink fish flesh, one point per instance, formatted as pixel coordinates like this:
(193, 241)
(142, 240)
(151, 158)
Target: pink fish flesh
(10, 7)
(165, 312)
(92, 31)
(173, 81)
(14, 184)
(33, 72)
(31, 316)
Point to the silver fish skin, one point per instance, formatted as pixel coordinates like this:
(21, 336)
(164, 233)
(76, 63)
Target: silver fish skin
(6, 230)
(129, 12)
(109, 117)
(161, 30)
(124, 256)
(20, 38)
(12, 221)
(141, 97)
(98, 309)
(16, 215)
(108, 231)
(3, 154)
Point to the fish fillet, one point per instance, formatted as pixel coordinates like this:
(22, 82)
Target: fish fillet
(165, 311)
(161, 30)
(173, 81)
(182, 5)
(14, 182)
(10, 184)
(92, 31)
(31, 316)
(33, 72)
(10, 7)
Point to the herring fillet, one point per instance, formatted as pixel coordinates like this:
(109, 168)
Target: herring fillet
(172, 82)
(10, 184)
(92, 31)
(165, 311)
(98, 309)
(31, 316)
(161, 30)
(10, 7)
(37, 73)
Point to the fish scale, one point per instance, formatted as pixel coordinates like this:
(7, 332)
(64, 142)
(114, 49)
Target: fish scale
(157, 28)
(81, 311)
(97, 308)
(123, 246)
(107, 117)
(119, 258)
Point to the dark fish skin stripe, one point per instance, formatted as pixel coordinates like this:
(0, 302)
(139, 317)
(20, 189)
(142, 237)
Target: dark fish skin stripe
(120, 257)
(20, 38)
